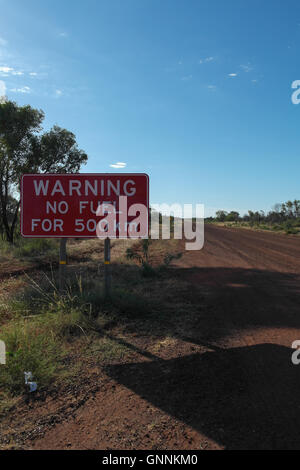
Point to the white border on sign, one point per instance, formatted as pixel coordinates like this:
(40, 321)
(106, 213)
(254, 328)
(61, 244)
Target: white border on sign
(83, 174)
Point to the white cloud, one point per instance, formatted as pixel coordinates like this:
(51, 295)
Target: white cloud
(58, 93)
(232, 75)
(118, 165)
(212, 87)
(33, 74)
(24, 89)
(247, 68)
(63, 34)
(186, 78)
(6, 69)
(207, 59)
(3, 42)
(2, 88)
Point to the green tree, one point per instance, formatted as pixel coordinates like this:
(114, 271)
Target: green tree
(11, 207)
(283, 210)
(23, 149)
(289, 206)
(233, 216)
(296, 204)
(221, 215)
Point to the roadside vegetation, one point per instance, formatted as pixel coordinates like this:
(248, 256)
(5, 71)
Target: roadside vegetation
(283, 218)
(24, 249)
(25, 149)
(51, 335)
(46, 332)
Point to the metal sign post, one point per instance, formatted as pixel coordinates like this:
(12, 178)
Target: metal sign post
(62, 263)
(107, 271)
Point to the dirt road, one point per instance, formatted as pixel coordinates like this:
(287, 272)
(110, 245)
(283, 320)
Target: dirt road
(227, 381)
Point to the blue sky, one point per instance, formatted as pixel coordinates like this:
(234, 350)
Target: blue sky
(195, 93)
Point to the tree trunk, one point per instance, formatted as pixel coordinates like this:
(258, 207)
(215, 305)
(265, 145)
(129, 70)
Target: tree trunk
(13, 225)
(9, 230)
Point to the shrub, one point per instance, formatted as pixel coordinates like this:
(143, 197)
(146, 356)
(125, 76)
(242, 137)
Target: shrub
(44, 322)
(36, 247)
(35, 344)
(129, 303)
(169, 257)
(291, 231)
(30, 347)
(143, 256)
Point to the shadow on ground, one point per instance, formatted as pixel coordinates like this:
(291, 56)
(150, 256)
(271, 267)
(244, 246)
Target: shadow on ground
(243, 398)
(213, 303)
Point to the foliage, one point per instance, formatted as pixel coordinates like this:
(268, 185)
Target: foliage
(32, 346)
(285, 217)
(42, 323)
(142, 257)
(39, 250)
(23, 149)
(36, 247)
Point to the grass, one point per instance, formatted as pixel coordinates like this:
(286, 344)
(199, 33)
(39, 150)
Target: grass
(42, 328)
(43, 323)
(148, 256)
(28, 248)
(31, 347)
(37, 342)
(37, 247)
(289, 227)
(108, 349)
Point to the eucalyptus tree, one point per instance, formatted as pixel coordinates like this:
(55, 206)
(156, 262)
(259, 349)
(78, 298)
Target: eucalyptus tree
(25, 149)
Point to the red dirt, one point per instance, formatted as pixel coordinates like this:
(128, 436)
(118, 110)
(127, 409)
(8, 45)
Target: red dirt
(231, 383)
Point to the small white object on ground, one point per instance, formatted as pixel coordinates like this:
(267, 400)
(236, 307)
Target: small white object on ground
(32, 385)
(28, 376)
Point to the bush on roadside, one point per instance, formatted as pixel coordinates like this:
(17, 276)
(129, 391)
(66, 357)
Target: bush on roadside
(38, 332)
(30, 347)
(129, 303)
(29, 248)
(42, 324)
(36, 247)
(291, 231)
